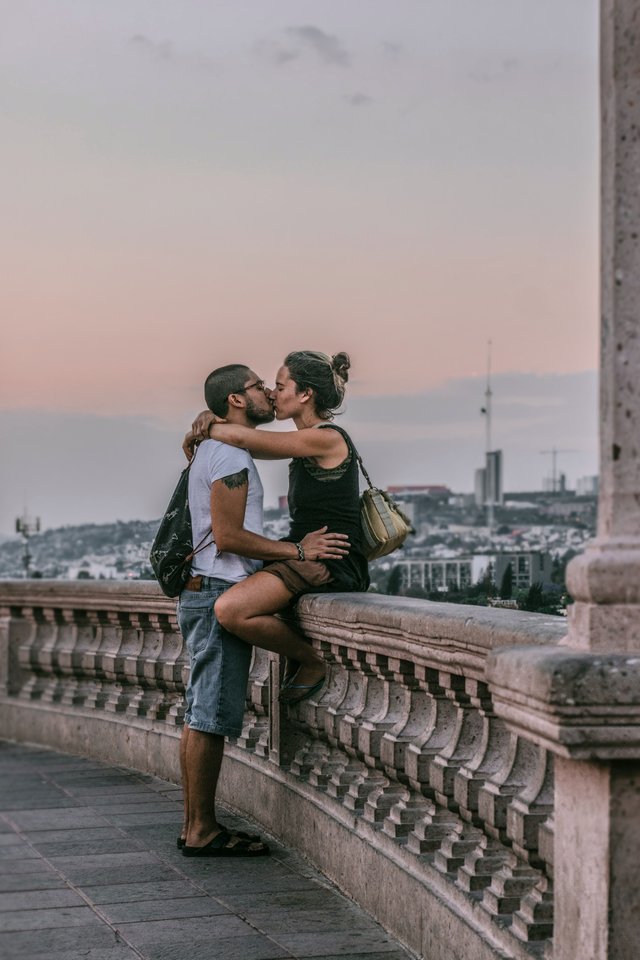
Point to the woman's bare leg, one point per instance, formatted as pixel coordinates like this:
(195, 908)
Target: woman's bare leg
(247, 610)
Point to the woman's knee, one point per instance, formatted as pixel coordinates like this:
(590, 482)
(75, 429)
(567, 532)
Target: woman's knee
(226, 611)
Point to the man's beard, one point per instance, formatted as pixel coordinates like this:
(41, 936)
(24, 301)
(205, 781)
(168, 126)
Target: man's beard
(256, 414)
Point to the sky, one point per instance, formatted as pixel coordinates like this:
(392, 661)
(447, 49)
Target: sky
(189, 184)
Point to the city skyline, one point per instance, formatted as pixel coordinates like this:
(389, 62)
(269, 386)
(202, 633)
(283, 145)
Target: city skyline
(188, 185)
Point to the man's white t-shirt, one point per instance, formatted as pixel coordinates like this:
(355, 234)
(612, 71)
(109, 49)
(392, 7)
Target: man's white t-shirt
(213, 461)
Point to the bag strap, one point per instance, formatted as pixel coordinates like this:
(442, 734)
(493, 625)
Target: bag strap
(202, 545)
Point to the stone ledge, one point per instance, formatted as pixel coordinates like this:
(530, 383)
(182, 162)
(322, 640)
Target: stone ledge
(443, 636)
(578, 705)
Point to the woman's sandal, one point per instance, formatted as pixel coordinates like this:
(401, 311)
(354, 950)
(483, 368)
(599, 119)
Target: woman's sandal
(228, 845)
(301, 691)
(252, 837)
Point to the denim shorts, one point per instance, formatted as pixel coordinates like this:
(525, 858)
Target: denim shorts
(219, 662)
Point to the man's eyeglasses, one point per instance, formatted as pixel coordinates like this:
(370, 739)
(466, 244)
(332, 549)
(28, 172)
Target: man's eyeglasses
(260, 384)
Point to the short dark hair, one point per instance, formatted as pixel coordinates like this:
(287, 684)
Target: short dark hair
(222, 382)
(326, 376)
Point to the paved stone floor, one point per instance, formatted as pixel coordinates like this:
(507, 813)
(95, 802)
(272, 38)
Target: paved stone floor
(89, 869)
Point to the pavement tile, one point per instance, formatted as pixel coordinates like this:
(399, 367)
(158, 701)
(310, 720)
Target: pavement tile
(284, 920)
(30, 866)
(48, 919)
(40, 899)
(146, 809)
(151, 816)
(160, 909)
(399, 954)
(88, 952)
(125, 892)
(13, 852)
(36, 803)
(235, 948)
(309, 898)
(338, 942)
(234, 885)
(104, 861)
(74, 848)
(30, 881)
(141, 873)
(71, 834)
(185, 930)
(99, 799)
(44, 819)
(10, 840)
(109, 789)
(31, 944)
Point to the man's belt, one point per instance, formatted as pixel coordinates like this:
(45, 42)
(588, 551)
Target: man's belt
(194, 583)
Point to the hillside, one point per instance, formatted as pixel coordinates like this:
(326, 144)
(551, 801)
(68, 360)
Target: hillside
(112, 550)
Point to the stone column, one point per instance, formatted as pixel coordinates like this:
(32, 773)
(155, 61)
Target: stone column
(583, 700)
(605, 580)
(597, 805)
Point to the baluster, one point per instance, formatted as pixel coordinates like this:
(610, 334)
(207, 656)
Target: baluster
(462, 745)
(325, 766)
(488, 757)
(481, 863)
(460, 841)
(362, 785)
(436, 734)
(498, 791)
(376, 722)
(345, 773)
(404, 814)
(414, 710)
(33, 653)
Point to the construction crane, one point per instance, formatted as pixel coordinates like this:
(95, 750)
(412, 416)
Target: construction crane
(553, 453)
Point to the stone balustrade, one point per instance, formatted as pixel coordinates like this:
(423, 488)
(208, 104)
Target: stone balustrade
(399, 780)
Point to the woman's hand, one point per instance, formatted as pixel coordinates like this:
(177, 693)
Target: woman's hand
(200, 430)
(321, 545)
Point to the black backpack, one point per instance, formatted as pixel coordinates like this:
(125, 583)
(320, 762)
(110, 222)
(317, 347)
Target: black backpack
(172, 548)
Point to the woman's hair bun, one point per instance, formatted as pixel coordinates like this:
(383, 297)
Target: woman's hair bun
(340, 364)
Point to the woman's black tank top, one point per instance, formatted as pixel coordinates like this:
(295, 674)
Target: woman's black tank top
(332, 497)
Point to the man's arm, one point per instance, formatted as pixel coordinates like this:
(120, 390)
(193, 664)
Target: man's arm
(228, 504)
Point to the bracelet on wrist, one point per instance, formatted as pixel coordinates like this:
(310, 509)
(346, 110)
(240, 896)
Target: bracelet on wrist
(300, 550)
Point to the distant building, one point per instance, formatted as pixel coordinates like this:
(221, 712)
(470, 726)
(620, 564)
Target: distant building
(553, 485)
(480, 486)
(283, 504)
(459, 573)
(494, 477)
(487, 481)
(436, 491)
(419, 500)
(455, 573)
(587, 486)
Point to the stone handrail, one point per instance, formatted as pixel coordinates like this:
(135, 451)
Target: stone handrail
(399, 781)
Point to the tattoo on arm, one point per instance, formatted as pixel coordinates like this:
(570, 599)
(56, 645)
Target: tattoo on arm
(235, 480)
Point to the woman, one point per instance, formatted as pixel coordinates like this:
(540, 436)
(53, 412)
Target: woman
(323, 490)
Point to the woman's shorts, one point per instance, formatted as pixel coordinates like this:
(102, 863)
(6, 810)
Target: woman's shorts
(301, 576)
(217, 688)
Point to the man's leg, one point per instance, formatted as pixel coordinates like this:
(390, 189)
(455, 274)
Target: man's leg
(185, 780)
(247, 610)
(202, 760)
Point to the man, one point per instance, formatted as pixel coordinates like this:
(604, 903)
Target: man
(225, 500)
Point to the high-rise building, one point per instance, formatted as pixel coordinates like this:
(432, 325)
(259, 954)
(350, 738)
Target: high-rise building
(480, 486)
(494, 477)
